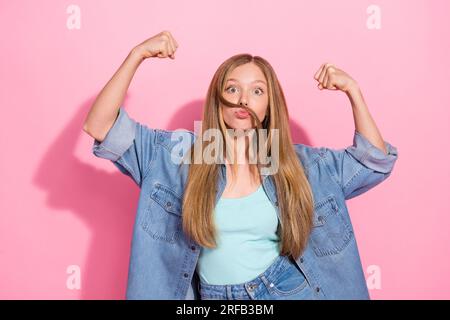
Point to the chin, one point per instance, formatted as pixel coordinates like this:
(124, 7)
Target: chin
(242, 126)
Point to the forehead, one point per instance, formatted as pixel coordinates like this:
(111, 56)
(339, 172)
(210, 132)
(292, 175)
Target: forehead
(247, 73)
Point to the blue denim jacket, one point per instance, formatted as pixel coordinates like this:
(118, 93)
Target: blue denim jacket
(163, 260)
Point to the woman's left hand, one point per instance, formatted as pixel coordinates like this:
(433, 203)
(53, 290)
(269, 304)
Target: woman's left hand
(332, 78)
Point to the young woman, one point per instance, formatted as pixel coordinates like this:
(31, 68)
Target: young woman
(228, 227)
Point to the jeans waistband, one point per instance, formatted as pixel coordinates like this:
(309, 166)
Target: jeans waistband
(228, 291)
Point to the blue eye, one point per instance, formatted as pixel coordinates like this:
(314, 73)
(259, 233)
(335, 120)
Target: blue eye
(227, 89)
(232, 87)
(262, 91)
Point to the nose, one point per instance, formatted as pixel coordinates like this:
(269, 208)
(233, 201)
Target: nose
(243, 103)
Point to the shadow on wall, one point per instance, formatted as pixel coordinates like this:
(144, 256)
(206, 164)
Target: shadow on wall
(106, 203)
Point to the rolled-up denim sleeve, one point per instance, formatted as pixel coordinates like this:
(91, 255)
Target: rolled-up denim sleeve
(129, 145)
(360, 166)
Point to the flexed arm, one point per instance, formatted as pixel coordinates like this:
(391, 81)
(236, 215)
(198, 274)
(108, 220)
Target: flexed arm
(105, 109)
(332, 78)
(369, 160)
(129, 144)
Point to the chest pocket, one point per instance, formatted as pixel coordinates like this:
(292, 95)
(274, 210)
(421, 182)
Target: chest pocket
(331, 233)
(162, 219)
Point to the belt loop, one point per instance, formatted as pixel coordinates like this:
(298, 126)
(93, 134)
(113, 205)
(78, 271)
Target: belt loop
(228, 292)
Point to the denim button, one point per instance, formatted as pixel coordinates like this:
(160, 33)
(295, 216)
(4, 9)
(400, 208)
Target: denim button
(169, 204)
(186, 275)
(301, 260)
(317, 289)
(193, 248)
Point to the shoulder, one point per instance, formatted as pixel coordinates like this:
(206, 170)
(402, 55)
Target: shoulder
(171, 138)
(309, 155)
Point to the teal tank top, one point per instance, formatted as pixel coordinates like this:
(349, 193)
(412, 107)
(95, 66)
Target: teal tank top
(247, 242)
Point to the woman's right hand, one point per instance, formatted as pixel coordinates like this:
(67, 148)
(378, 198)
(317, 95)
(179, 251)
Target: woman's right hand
(162, 45)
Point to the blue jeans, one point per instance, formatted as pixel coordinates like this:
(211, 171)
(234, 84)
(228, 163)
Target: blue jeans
(282, 280)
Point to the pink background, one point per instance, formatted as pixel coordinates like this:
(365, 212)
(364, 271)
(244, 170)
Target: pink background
(62, 206)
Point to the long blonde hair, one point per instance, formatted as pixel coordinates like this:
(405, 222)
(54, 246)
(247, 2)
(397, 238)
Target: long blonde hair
(295, 200)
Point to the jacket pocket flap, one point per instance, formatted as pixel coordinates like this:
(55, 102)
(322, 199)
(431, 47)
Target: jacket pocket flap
(167, 199)
(322, 209)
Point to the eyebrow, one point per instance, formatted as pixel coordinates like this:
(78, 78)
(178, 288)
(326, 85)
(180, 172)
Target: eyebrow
(231, 79)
